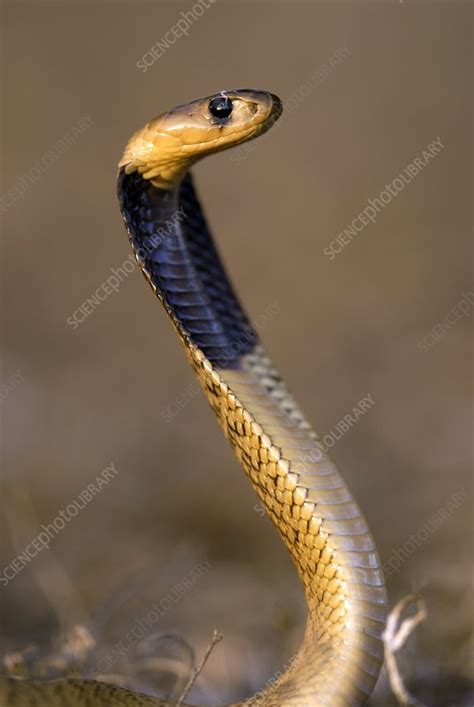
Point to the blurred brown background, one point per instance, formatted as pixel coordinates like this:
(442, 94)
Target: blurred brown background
(345, 327)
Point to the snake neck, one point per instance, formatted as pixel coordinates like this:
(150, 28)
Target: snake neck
(318, 520)
(169, 236)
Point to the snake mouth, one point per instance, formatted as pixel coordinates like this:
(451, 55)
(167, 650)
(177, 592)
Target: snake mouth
(277, 108)
(273, 112)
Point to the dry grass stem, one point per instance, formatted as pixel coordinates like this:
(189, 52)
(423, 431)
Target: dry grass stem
(196, 672)
(395, 635)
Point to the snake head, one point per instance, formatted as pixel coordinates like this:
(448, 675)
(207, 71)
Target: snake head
(168, 145)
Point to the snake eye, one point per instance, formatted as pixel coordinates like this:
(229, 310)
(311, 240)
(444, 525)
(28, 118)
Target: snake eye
(220, 106)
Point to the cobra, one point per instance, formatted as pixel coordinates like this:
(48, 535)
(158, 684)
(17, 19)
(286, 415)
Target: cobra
(305, 496)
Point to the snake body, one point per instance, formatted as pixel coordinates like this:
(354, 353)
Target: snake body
(318, 519)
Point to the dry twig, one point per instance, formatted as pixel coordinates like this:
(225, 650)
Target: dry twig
(196, 672)
(394, 637)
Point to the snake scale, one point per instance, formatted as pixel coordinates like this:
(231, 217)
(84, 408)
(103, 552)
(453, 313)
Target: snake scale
(318, 519)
